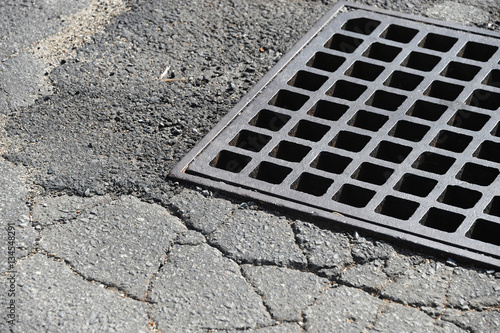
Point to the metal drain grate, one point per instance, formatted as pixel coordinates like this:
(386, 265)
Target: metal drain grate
(387, 120)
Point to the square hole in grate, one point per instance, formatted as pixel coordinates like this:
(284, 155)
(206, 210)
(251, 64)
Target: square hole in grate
(477, 174)
(290, 151)
(444, 90)
(485, 231)
(288, 100)
(382, 52)
(270, 120)
(437, 42)
(307, 80)
(493, 207)
(270, 173)
(343, 43)
(350, 141)
(250, 140)
(365, 71)
(325, 61)
(469, 120)
(330, 162)
(373, 174)
(361, 25)
(451, 141)
(493, 78)
(368, 120)
(488, 150)
(484, 99)
(385, 100)
(442, 220)
(396, 207)
(309, 130)
(460, 71)
(346, 90)
(409, 131)
(399, 34)
(416, 185)
(230, 161)
(496, 130)
(311, 184)
(421, 61)
(426, 110)
(328, 110)
(477, 51)
(392, 152)
(434, 163)
(403, 80)
(354, 195)
(460, 197)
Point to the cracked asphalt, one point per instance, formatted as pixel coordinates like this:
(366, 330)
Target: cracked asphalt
(96, 238)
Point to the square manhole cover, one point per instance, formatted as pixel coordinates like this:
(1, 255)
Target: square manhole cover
(381, 121)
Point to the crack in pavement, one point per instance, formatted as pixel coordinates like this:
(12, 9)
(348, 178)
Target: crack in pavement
(264, 303)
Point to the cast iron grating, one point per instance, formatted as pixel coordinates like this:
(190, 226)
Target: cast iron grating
(389, 121)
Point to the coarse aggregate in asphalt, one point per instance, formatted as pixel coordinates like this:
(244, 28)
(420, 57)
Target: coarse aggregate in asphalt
(105, 242)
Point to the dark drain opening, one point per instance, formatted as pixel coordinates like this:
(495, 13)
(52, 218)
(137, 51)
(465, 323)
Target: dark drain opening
(434, 163)
(290, 151)
(270, 120)
(403, 80)
(460, 197)
(427, 110)
(451, 141)
(361, 25)
(330, 162)
(494, 207)
(488, 150)
(416, 185)
(288, 100)
(392, 152)
(309, 130)
(442, 220)
(368, 120)
(438, 42)
(421, 61)
(382, 52)
(328, 110)
(371, 173)
(385, 100)
(443, 90)
(396, 207)
(409, 131)
(307, 80)
(493, 78)
(270, 173)
(354, 196)
(250, 141)
(325, 61)
(346, 90)
(484, 99)
(469, 120)
(496, 130)
(399, 34)
(230, 161)
(477, 51)
(459, 71)
(350, 141)
(343, 43)
(312, 184)
(477, 174)
(365, 71)
(485, 231)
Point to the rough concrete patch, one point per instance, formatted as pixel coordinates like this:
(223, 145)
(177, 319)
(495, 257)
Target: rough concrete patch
(198, 288)
(281, 328)
(367, 276)
(458, 12)
(472, 321)
(120, 244)
(52, 298)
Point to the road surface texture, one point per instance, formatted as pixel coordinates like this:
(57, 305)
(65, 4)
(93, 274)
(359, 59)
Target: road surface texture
(94, 236)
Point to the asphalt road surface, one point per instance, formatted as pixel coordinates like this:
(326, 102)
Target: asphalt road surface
(96, 238)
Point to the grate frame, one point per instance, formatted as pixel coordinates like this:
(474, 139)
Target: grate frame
(334, 98)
